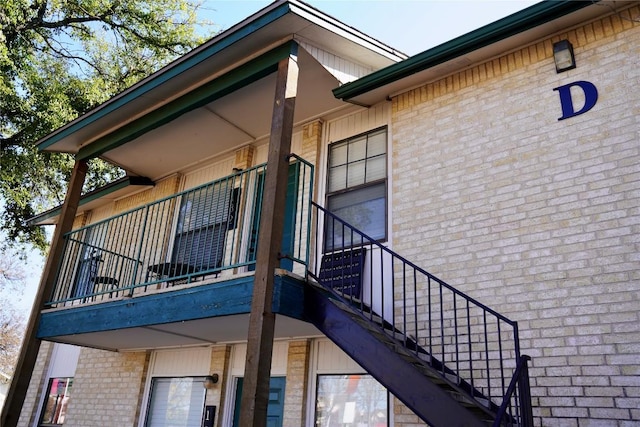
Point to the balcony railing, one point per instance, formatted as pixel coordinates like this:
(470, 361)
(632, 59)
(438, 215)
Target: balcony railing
(204, 232)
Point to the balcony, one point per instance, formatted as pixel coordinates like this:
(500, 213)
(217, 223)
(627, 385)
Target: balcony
(176, 262)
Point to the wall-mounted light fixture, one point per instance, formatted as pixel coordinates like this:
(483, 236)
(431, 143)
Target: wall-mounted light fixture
(563, 56)
(210, 381)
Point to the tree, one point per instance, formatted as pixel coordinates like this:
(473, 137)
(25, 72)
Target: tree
(12, 323)
(58, 60)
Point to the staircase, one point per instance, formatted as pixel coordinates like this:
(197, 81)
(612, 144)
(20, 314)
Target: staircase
(450, 359)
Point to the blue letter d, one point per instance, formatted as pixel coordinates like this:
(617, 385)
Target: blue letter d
(590, 98)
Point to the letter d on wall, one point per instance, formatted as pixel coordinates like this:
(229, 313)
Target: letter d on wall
(590, 98)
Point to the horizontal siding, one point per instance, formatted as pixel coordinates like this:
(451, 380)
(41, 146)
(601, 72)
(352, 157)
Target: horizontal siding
(181, 362)
(342, 69)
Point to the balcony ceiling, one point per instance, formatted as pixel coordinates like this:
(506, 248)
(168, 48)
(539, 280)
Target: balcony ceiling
(199, 332)
(240, 118)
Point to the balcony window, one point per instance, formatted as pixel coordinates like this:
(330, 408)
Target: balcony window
(56, 402)
(357, 188)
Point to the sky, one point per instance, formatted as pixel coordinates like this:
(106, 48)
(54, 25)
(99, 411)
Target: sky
(409, 26)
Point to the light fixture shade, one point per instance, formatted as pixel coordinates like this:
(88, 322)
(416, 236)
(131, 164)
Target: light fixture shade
(210, 381)
(563, 56)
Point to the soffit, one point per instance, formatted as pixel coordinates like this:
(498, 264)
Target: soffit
(270, 27)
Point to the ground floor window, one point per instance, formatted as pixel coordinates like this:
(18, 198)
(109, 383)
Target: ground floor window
(176, 402)
(57, 401)
(350, 400)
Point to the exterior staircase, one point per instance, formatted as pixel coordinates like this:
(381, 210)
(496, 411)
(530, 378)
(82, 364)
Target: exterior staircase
(460, 366)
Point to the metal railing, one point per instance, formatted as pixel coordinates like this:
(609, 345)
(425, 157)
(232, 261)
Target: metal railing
(206, 231)
(468, 343)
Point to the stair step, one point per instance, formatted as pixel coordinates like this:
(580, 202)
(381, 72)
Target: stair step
(407, 348)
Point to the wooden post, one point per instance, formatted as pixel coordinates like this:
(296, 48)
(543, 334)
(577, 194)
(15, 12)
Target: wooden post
(257, 373)
(31, 344)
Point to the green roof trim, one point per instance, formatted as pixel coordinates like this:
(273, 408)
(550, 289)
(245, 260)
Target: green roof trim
(246, 74)
(94, 195)
(519, 22)
(164, 75)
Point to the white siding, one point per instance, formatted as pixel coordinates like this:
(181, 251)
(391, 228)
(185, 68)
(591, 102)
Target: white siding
(278, 359)
(64, 361)
(362, 121)
(329, 359)
(181, 362)
(209, 173)
(342, 69)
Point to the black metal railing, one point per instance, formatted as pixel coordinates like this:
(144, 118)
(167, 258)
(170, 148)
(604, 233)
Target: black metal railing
(202, 232)
(467, 342)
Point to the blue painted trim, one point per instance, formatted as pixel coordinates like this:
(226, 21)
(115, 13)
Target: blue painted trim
(169, 72)
(198, 302)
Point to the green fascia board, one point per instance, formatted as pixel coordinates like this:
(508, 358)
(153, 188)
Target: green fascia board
(171, 72)
(511, 25)
(95, 195)
(244, 75)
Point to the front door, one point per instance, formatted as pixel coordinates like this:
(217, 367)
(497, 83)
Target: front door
(275, 408)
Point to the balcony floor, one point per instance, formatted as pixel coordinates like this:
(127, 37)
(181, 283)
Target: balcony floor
(183, 316)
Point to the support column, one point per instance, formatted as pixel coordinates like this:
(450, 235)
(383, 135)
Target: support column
(255, 390)
(31, 344)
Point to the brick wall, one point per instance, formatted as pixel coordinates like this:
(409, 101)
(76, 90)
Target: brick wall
(296, 389)
(537, 218)
(107, 388)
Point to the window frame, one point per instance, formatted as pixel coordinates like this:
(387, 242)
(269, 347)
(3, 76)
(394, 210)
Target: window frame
(385, 181)
(63, 406)
(195, 380)
(383, 390)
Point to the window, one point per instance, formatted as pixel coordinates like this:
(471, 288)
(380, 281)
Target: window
(206, 214)
(350, 400)
(57, 401)
(176, 402)
(357, 187)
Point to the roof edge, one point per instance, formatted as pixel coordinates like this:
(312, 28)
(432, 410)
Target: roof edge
(501, 29)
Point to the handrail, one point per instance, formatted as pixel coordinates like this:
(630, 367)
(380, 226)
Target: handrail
(472, 346)
(518, 388)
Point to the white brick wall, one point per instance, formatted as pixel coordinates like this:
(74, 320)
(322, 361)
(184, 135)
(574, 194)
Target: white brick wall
(107, 388)
(537, 218)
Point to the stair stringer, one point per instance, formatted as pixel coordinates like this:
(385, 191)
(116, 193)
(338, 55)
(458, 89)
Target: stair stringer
(404, 380)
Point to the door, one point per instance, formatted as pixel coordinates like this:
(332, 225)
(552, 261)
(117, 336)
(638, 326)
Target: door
(275, 407)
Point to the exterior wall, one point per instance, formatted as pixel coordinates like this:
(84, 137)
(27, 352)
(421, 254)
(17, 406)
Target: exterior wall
(297, 373)
(107, 388)
(536, 217)
(37, 386)
(220, 359)
(343, 70)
